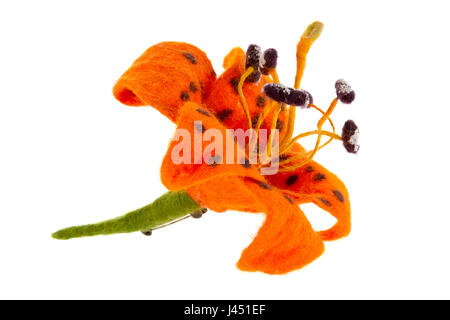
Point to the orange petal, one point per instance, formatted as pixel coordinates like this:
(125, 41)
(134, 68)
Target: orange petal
(217, 187)
(195, 120)
(285, 242)
(166, 76)
(235, 54)
(314, 183)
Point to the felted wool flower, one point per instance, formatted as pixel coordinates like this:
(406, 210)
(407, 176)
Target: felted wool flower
(178, 80)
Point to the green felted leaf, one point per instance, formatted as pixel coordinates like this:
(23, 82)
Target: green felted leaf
(167, 208)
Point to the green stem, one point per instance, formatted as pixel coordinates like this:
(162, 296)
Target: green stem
(170, 206)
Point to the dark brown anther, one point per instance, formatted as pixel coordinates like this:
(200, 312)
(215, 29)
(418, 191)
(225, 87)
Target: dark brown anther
(270, 57)
(253, 59)
(284, 94)
(344, 91)
(350, 135)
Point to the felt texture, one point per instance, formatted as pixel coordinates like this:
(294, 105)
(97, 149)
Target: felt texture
(165, 76)
(224, 97)
(168, 207)
(313, 183)
(286, 241)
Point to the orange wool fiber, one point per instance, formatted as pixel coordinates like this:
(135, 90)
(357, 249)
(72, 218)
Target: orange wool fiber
(165, 76)
(286, 241)
(313, 183)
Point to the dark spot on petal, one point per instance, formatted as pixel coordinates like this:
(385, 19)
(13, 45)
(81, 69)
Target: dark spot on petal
(283, 157)
(279, 125)
(325, 202)
(260, 184)
(184, 96)
(291, 180)
(339, 195)
(224, 114)
(203, 112)
(254, 77)
(255, 119)
(190, 57)
(192, 87)
(235, 83)
(260, 101)
(245, 163)
(213, 73)
(214, 161)
(309, 169)
(289, 199)
(319, 177)
(199, 127)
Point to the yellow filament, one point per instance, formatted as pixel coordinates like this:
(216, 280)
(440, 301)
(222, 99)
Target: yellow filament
(332, 136)
(290, 128)
(327, 114)
(323, 113)
(329, 120)
(272, 129)
(241, 94)
(274, 75)
(269, 107)
(292, 142)
(310, 154)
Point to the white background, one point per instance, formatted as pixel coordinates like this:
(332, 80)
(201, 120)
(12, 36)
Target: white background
(71, 154)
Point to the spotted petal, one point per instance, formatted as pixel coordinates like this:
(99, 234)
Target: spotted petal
(285, 242)
(166, 76)
(313, 183)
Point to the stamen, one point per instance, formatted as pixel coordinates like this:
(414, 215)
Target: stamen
(274, 75)
(283, 94)
(253, 59)
(319, 126)
(270, 57)
(350, 135)
(329, 120)
(272, 129)
(344, 91)
(246, 74)
(323, 113)
(290, 128)
(332, 136)
(262, 116)
(327, 114)
(310, 154)
(304, 157)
